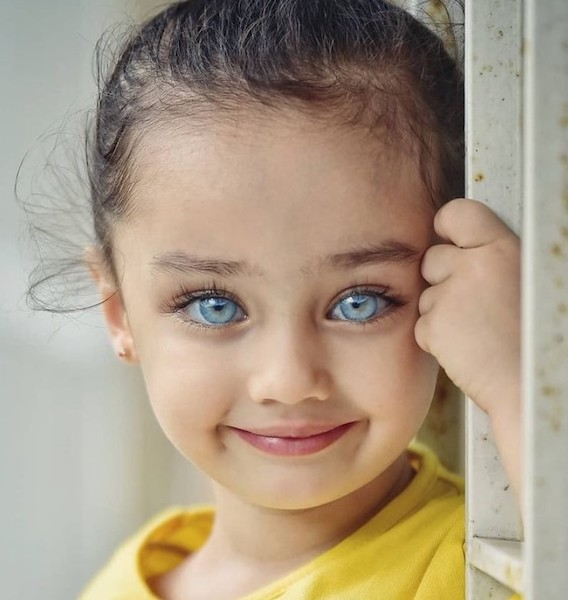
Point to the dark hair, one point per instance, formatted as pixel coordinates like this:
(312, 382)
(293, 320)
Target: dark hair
(363, 63)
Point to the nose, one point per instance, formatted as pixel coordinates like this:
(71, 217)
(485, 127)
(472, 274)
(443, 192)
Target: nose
(289, 367)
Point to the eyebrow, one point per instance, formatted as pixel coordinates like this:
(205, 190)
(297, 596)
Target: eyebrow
(387, 252)
(182, 262)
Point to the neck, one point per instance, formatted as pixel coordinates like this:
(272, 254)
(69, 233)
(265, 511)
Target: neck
(285, 539)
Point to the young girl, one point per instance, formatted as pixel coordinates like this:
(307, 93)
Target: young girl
(279, 250)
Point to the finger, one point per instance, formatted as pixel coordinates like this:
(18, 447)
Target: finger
(439, 262)
(421, 334)
(427, 300)
(468, 223)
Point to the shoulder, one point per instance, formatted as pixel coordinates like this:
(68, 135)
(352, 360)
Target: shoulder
(159, 545)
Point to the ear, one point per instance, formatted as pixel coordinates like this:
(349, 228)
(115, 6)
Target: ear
(113, 308)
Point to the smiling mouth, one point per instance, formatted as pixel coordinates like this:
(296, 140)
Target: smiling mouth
(293, 445)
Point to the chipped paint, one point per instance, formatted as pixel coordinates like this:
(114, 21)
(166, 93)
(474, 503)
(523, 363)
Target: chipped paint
(553, 413)
(549, 390)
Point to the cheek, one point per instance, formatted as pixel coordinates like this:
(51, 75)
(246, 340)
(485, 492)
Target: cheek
(397, 377)
(417, 379)
(187, 393)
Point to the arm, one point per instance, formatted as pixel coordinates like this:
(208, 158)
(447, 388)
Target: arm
(470, 317)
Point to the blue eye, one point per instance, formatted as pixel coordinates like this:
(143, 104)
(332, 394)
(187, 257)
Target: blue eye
(360, 307)
(214, 310)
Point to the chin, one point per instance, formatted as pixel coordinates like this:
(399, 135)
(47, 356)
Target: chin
(299, 494)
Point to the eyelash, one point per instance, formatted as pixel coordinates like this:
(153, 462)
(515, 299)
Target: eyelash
(395, 302)
(183, 297)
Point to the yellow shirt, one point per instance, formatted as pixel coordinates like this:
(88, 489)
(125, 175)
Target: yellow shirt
(412, 549)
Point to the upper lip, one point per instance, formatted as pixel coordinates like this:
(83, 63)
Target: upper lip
(293, 430)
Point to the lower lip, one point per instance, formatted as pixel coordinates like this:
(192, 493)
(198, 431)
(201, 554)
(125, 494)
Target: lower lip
(290, 446)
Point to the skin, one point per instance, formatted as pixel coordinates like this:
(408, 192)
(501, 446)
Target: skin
(294, 193)
(471, 318)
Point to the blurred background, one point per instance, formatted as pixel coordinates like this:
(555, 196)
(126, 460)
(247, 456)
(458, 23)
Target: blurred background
(83, 462)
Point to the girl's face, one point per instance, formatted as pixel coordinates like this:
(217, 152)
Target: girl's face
(270, 287)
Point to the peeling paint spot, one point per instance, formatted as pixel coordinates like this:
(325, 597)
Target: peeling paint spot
(553, 412)
(555, 423)
(549, 390)
(563, 308)
(564, 231)
(556, 250)
(479, 177)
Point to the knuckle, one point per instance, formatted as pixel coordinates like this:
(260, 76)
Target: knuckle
(425, 267)
(453, 209)
(465, 210)
(425, 301)
(430, 260)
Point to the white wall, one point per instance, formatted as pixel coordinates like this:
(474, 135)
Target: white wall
(82, 461)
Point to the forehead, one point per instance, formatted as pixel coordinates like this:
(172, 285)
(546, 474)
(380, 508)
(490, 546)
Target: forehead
(266, 180)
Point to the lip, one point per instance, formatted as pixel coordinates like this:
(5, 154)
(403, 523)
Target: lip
(300, 440)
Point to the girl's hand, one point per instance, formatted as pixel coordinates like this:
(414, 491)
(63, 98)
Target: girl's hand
(470, 317)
